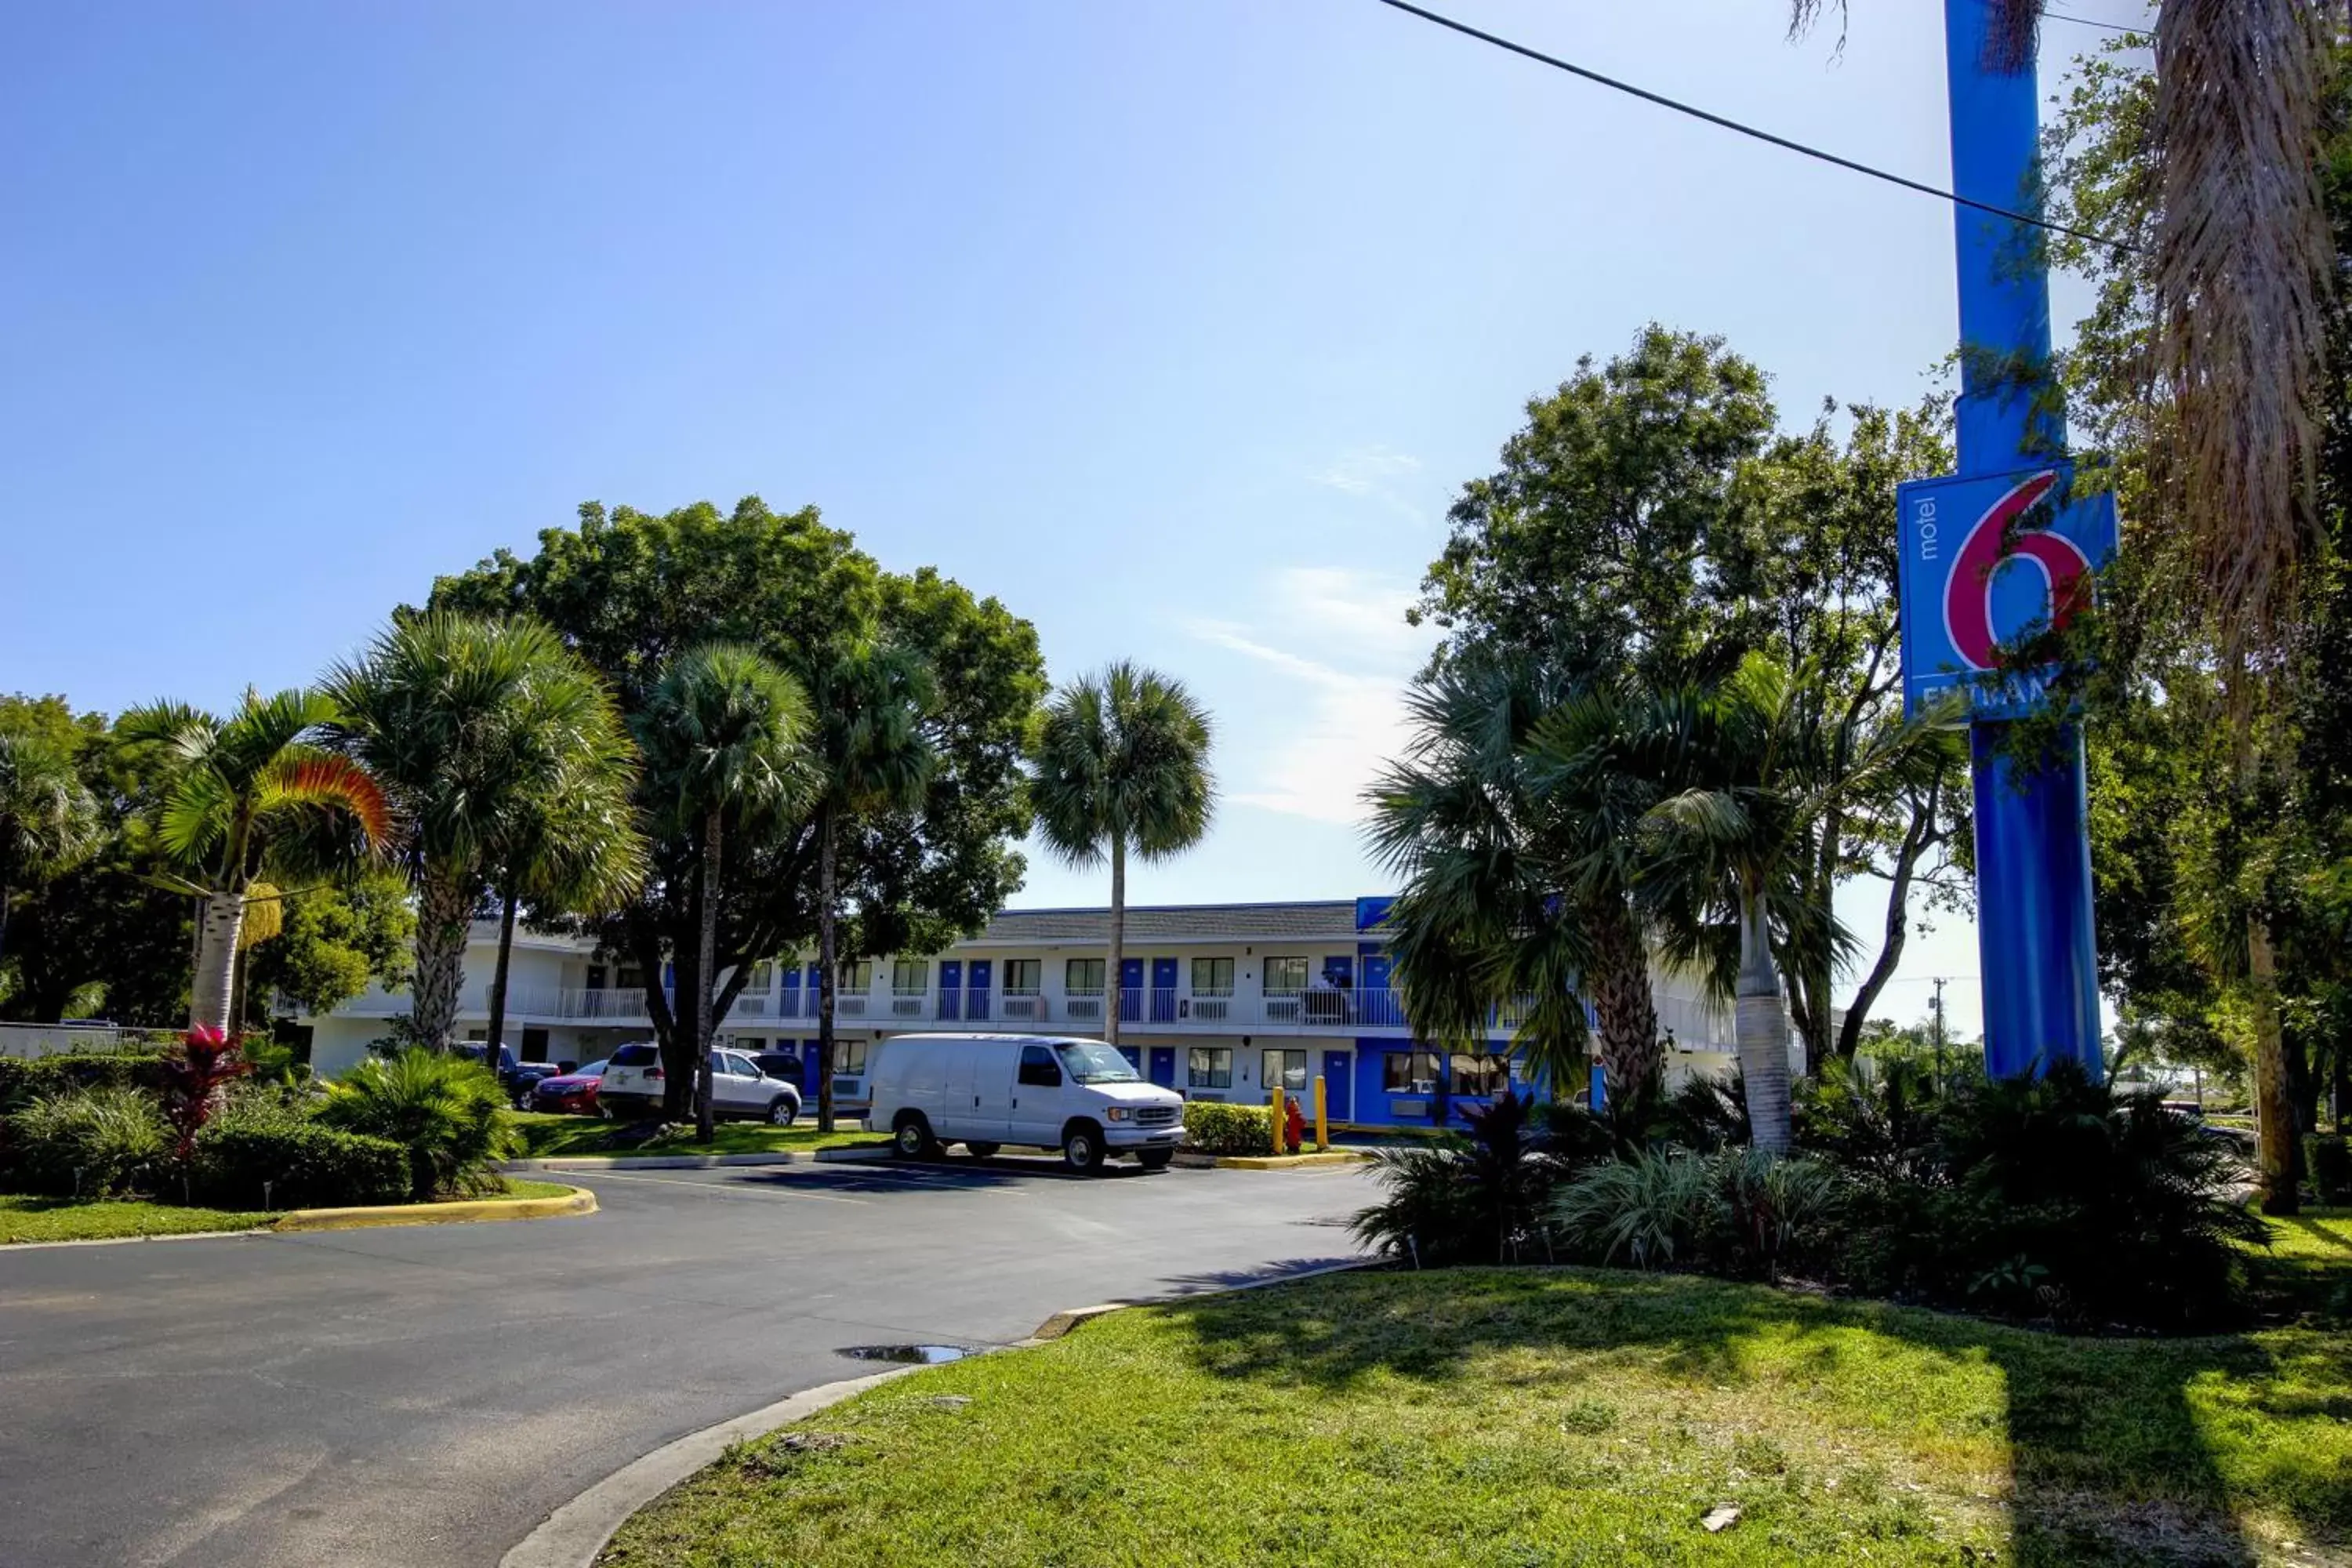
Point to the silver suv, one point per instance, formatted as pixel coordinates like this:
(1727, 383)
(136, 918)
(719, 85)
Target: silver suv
(633, 1083)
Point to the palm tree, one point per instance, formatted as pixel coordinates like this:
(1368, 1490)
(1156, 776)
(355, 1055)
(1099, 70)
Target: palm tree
(48, 819)
(1120, 761)
(476, 726)
(872, 753)
(253, 793)
(726, 734)
(1515, 883)
(1743, 781)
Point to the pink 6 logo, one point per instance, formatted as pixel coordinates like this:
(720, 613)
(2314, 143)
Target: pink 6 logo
(1967, 593)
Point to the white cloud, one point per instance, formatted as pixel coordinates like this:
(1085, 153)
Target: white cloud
(1373, 474)
(1346, 712)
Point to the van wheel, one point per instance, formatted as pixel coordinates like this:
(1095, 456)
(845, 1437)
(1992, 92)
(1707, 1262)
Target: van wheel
(1082, 1148)
(980, 1151)
(1155, 1159)
(783, 1110)
(912, 1138)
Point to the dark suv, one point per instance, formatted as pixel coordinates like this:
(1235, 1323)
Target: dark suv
(517, 1077)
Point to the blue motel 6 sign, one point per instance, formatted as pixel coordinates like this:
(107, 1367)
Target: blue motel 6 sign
(1989, 560)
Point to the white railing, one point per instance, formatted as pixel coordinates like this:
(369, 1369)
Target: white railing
(1022, 1007)
(1084, 1006)
(849, 1003)
(910, 1004)
(749, 1008)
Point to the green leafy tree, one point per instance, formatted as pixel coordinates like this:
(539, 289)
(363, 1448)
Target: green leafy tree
(1120, 762)
(333, 942)
(726, 736)
(874, 758)
(48, 818)
(249, 792)
(629, 590)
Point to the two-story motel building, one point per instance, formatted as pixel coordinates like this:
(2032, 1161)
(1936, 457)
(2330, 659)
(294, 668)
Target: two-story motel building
(1215, 1001)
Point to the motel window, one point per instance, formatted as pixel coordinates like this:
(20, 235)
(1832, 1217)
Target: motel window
(849, 1058)
(910, 976)
(1286, 1068)
(1023, 977)
(1209, 1067)
(762, 979)
(1083, 977)
(1474, 1075)
(1409, 1072)
(1212, 977)
(1286, 976)
(857, 975)
(630, 978)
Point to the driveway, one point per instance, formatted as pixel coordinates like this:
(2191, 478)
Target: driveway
(426, 1395)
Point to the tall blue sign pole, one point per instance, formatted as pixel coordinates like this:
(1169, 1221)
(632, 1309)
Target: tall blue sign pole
(1994, 551)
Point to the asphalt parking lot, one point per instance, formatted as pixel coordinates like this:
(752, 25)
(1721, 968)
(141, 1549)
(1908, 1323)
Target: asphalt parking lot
(424, 1395)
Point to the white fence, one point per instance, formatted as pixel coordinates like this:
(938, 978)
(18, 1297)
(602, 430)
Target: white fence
(27, 1040)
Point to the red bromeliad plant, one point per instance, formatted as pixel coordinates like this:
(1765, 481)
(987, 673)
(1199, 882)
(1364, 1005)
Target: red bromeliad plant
(195, 1073)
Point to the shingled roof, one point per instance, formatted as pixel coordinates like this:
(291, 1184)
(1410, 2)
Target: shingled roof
(1333, 919)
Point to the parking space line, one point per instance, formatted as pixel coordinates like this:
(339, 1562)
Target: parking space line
(727, 1190)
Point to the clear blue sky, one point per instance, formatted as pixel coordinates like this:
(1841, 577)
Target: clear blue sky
(1173, 323)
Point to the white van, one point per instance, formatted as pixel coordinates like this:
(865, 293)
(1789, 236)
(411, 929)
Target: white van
(985, 1091)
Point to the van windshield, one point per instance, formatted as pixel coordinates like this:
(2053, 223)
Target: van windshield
(1097, 1063)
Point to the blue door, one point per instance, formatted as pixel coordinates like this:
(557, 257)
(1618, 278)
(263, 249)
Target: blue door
(1163, 1066)
(1336, 1067)
(788, 1004)
(950, 990)
(1380, 1008)
(1130, 990)
(1163, 990)
(813, 992)
(1134, 1057)
(975, 995)
(809, 1066)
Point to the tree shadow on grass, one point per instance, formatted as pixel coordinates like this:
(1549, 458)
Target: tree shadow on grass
(2118, 1448)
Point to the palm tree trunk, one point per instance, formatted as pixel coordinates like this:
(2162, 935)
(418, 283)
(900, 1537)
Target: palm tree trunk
(6, 894)
(705, 1113)
(498, 979)
(1114, 987)
(444, 919)
(2274, 1116)
(237, 1003)
(1760, 1026)
(828, 953)
(210, 994)
(1631, 1056)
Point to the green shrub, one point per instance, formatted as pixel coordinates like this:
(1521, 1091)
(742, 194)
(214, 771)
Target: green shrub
(447, 1113)
(1737, 1210)
(24, 1079)
(262, 1161)
(1215, 1128)
(1474, 1199)
(87, 1143)
(2328, 1157)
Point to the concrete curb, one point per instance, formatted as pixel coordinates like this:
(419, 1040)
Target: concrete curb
(574, 1533)
(858, 1154)
(1290, 1162)
(653, 1161)
(579, 1200)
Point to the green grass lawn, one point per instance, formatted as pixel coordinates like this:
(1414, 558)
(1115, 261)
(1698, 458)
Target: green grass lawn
(68, 1220)
(546, 1137)
(1505, 1417)
(523, 1187)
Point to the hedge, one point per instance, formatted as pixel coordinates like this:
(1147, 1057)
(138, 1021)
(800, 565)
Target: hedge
(1216, 1129)
(24, 1079)
(256, 1164)
(86, 1142)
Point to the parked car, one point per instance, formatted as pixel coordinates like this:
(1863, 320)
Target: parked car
(570, 1093)
(985, 1091)
(517, 1077)
(633, 1081)
(784, 1066)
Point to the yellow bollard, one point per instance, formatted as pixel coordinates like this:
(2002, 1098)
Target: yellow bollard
(1322, 1125)
(1278, 1119)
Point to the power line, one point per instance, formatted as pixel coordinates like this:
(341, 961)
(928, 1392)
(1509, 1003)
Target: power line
(1663, 101)
(2090, 21)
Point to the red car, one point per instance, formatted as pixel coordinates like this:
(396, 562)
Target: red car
(573, 1093)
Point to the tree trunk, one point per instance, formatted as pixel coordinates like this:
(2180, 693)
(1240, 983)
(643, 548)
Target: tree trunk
(828, 957)
(444, 922)
(216, 933)
(2274, 1125)
(705, 1113)
(1916, 839)
(2339, 1088)
(236, 998)
(498, 979)
(1760, 1026)
(1114, 987)
(1633, 1057)
(6, 893)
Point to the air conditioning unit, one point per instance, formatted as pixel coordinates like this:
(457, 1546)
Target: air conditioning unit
(1212, 1009)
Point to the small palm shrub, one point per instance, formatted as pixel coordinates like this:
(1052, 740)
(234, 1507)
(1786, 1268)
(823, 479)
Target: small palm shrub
(1703, 1113)
(447, 1113)
(87, 1143)
(1739, 1212)
(1472, 1198)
